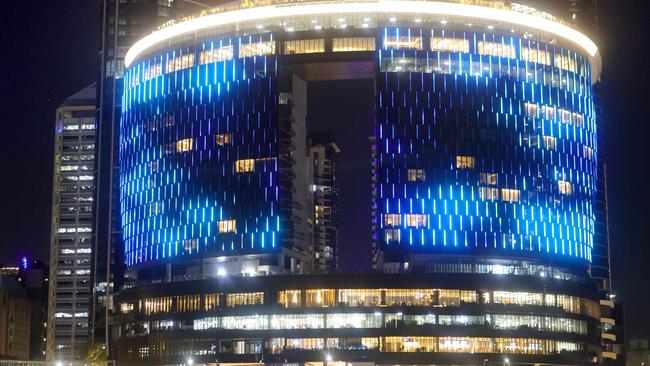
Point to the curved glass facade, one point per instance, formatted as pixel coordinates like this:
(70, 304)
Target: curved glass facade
(484, 144)
(381, 319)
(486, 150)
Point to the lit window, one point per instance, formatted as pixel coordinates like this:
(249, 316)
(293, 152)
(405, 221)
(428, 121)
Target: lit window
(223, 139)
(416, 175)
(535, 55)
(244, 165)
(565, 116)
(465, 162)
(496, 49)
(320, 298)
(256, 49)
(565, 62)
(449, 44)
(392, 219)
(589, 152)
(565, 188)
(180, 62)
(531, 110)
(211, 301)
(152, 71)
(290, 298)
(489, 179)
(184, 145)
(216, 55)
(244, 299)
(353, 44)
(488, 194)
(228, 226)
(304, 46)
(392, 235)
(510, 195)
(416, 220)
(403, 42)
(549, 142)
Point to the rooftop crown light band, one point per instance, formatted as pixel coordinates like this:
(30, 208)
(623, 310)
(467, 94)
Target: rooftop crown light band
(379, 7)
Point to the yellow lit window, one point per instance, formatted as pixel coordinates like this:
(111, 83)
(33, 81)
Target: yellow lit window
(290, 298)
(465, 162)
(549, 142)
(180, 62)
(403, 42)
(589, 152)
(449, 44)
(392, 219)
(126, 308)
(244, 299)
(496, 49)
(184, 145)
(565, 188)
(157, 305)
(320, 298)
(223, 139)
(211, 301)
(228, 226)
(244, 165)
(531, 110)
(489, 179)
(152, 71)
(578, 119)
(257, 49)
(188, 303)
(391, 235)
(488, 194)
(535, 55)
(360, 297)
(409, 344)
(510, 195)
(565, 116)
(304, 46)
(353, 44)
(216, 55)
(416, 220)
(565, 62)
(416, 175)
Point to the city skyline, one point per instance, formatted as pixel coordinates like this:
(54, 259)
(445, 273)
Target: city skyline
(621, 205)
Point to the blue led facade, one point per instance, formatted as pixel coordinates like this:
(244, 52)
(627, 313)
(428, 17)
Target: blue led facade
(483, 154)
(485, 144)
(182, 134)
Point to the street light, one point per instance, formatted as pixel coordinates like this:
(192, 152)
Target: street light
(485, 360)
(190, 361)
(506, 361)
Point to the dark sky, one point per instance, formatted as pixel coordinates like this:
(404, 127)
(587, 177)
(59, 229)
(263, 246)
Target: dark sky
(49, 50)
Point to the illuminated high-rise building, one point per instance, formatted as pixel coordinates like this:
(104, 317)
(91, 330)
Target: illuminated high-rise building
(122, 23)
(484, 160)
(72, 231)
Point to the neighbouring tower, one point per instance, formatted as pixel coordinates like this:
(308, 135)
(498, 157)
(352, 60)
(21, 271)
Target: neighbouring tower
(72, 231)
(325, 193)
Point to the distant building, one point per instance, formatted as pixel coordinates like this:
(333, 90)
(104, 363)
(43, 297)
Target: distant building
(15, 313)
(325, 194)
(35, 281)
(639, 353)
(72, 229)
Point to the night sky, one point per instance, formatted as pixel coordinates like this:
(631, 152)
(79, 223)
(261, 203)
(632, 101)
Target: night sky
(49, 51)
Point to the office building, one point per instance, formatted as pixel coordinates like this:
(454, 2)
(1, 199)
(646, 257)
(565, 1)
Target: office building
(15, 314)
(72, 230)
(484, 181)
(325, 196)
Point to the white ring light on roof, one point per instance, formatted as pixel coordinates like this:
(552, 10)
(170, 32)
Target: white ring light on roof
(378, 7)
